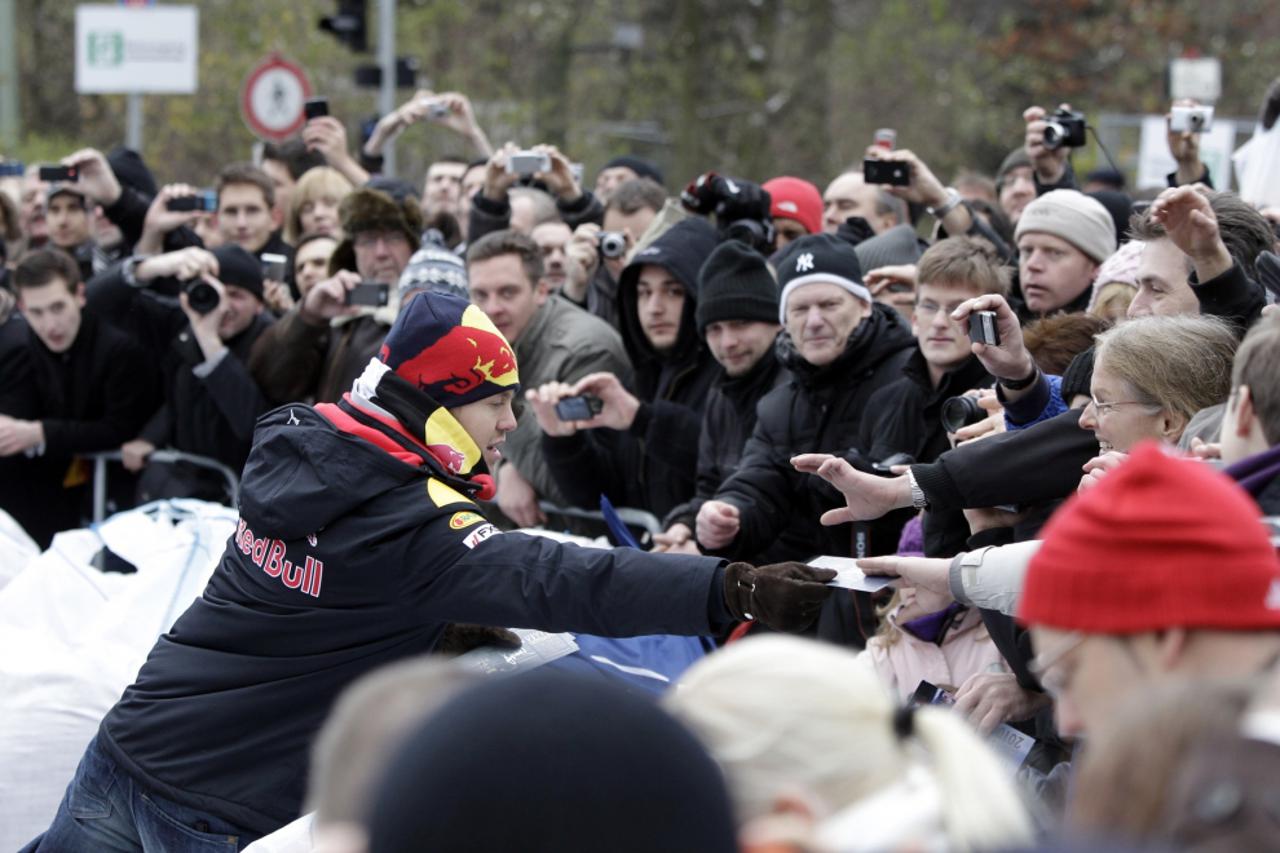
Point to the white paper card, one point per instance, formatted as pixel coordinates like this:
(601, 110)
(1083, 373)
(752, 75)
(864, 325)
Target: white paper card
(848, 575)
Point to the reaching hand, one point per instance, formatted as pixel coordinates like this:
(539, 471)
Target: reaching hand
(134, 454)
(718, 524)
(868, 496)
(1191, 224)
(923, 572)
(160, 220)
(1099, 466)
(925, 188)
(783, 596)
(497, 180)
(583, 256)
(328, 136)
(559, 180)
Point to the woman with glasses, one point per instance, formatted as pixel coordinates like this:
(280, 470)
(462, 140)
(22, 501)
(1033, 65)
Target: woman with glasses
(1150, 377)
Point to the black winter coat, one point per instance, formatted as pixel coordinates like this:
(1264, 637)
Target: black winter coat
(728, 422)
(817, 411)
(348, 557)
(653, 465)
(93, 397)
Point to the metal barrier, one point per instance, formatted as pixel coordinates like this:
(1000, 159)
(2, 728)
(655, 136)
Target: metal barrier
(631, 517)
(163, 457)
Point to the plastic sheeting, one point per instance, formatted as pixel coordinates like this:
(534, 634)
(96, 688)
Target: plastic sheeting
(73, 637)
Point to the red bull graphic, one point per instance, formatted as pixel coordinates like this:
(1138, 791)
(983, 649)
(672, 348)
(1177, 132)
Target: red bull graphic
(463, 359)
(453, 460)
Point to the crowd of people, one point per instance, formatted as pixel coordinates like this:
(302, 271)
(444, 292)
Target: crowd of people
(1043, 409)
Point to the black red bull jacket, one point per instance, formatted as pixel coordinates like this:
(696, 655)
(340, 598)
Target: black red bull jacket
(347, 557)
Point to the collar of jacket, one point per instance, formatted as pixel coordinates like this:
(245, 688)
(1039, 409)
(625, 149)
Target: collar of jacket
(752, 384)
(968, 375)
(1255, 473)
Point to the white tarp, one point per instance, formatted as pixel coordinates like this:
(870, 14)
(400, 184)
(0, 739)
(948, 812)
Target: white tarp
(72, 638)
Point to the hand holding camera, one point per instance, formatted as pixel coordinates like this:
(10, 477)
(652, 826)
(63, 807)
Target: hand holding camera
(556, 172)
(1050, 138)
(997, 337)
(543, 400)
(94, 175)
(498, 176)
(326, 134)
(186, 264)
(615, 407)
(328, 299)
(174, 206)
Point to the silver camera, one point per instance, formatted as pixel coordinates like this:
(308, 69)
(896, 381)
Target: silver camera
(1191, 119)
(528, 163)
(613, 244)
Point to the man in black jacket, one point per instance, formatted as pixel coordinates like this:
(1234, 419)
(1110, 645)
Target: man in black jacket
(641, 450)
(211, 400)
(360, 536)
(840, 348)
(905, 416)
(737, 315)
(90, 386)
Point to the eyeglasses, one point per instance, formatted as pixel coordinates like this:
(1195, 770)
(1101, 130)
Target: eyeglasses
(1040, 665)
(1104, 409)
(369, 239)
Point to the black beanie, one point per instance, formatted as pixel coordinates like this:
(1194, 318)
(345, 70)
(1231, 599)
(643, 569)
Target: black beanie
(735, 284)
(1078, 377)
(550, 761)
(239, 268)
(642, 167)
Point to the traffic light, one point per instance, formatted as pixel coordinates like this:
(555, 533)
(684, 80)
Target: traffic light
(348, 25)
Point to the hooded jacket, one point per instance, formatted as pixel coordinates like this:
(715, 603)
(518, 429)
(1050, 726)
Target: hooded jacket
(355, 546)
(651, 466)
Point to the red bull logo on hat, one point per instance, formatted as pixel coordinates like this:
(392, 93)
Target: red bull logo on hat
(462, 361)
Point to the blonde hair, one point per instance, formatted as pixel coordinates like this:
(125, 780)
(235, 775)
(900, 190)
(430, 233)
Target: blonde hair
(315, 183)
(783, 715)
(1182, 363)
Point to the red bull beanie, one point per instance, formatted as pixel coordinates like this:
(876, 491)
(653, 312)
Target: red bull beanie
(1160, 543)
(449, 349)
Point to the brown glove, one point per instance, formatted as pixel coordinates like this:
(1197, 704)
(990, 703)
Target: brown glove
(783, 596)
(460, 638)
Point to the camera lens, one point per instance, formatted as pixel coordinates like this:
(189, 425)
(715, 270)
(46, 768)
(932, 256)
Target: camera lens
(1054, 134)
(612, 244)
(960, 412)
(201, 296)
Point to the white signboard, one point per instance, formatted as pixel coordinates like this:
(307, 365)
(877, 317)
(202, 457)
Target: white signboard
(122, 49)
(1155, 161)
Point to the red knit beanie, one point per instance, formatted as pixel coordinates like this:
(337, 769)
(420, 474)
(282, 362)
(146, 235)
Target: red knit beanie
(793, 198)
(1160, 543)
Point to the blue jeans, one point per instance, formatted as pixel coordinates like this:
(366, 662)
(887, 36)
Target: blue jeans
(104, 809)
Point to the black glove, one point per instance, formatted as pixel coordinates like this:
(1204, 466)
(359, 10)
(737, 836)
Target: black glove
(783, 596)
(459, 639)
(854, 230)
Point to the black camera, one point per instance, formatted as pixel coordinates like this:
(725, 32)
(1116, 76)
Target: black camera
(889, 172)
(613, 244)
(204, 200)
(201, 296)
(1064, 128)
(581, 408)
(741, 209)
(56, 174)
(983, 328)
(960, 412)
(315, 108)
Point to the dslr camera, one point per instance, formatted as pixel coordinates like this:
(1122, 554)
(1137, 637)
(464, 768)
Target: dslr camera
(1064, 128)
(741, 209)
(201, 295)
(960, 412)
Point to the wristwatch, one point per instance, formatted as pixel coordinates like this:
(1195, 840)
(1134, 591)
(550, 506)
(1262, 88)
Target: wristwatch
(953, 201)
(918, 500)
(1021, 384)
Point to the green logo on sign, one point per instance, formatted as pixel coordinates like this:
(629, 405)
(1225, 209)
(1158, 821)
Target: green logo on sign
(106, 48)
